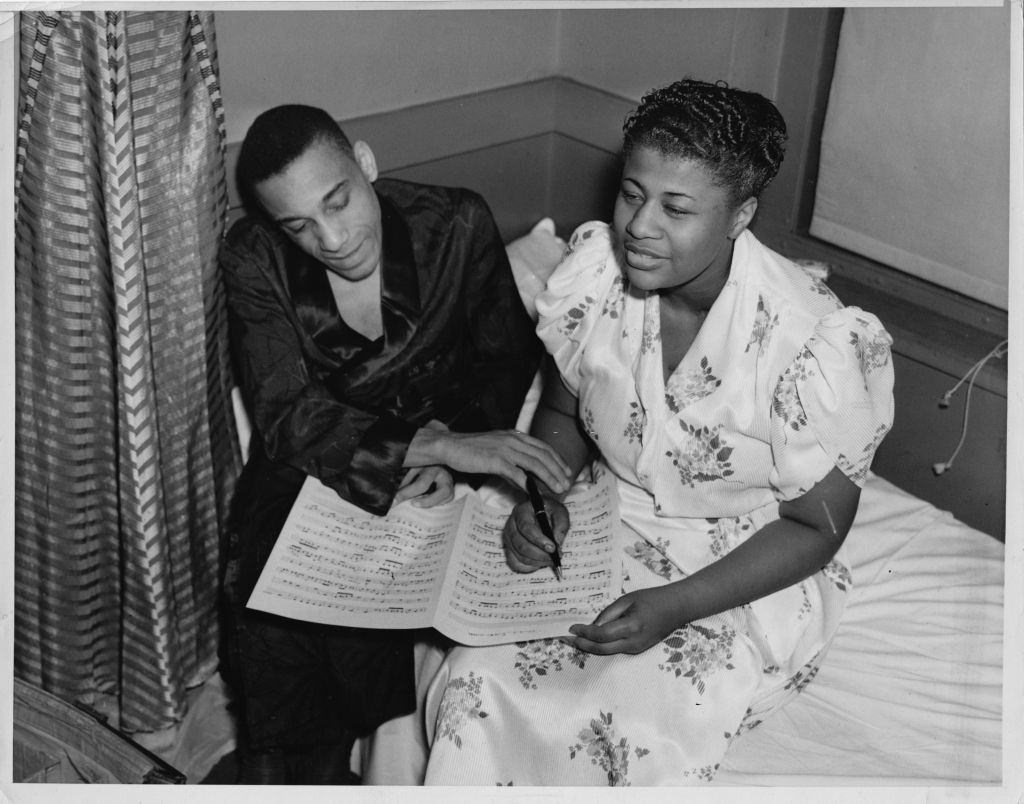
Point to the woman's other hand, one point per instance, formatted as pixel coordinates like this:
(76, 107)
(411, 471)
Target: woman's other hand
(426, 486)
(527, 549)
(508, 454)
(633, 623)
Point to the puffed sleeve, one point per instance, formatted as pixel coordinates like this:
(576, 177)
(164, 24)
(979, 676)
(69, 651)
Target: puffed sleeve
(833, 405)
(576, 291)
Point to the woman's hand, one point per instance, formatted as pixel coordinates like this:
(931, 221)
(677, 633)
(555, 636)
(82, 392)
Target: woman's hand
(526, 548)
(426, 486)
(506, 453)
(634, 622)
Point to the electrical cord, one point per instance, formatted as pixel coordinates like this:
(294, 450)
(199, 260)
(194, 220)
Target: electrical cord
(972, 374)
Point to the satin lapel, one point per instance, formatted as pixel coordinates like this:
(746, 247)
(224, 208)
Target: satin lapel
(400, 289)
(400, 305)
(310, 292)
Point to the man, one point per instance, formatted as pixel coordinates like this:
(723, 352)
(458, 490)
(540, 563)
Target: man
(381, 345)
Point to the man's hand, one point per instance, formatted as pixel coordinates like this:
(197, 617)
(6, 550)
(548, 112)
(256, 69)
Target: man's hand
(526, 548)
(426, 486)
(634, 622)
(508, 454)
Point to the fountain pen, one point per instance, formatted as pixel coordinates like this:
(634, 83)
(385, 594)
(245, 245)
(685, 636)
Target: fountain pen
(540, 512)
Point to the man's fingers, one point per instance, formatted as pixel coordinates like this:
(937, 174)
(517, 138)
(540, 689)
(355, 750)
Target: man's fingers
(442, 493)
(428, 486)
(543, 461)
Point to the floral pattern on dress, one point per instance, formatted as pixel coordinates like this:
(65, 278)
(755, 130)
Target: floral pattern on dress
(704, 774)
(838, 574)
(635, 426)
(857, 468)
(539, 657)
(726, 534)
(787, 405)
(461, 701)
(653, 556)
(575, 315)
(697, 652)
(819, 287)
(764, 324)
(598, 742)
(703, 456)
(686, 387)
(806, 607)
(799, 680)
(576, 239)
(614, 301)
(652, 330)
(588, 423)
(795, 684)
(751, 720)
(872, 352)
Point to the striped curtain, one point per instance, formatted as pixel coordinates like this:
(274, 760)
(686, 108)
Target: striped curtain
(126, 452)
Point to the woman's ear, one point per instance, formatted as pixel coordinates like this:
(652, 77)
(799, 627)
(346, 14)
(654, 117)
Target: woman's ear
(365, 159)
(742, 217)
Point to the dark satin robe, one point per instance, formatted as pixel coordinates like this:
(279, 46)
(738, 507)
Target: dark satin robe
(458, 346)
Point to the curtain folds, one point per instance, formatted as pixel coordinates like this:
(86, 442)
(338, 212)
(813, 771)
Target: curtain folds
(126, 451)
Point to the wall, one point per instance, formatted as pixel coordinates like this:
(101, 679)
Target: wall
(359, 62)
(626, 52)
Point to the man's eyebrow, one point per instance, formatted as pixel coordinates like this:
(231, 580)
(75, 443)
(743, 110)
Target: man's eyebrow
(327, 195)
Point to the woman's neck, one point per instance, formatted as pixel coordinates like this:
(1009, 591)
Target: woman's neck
(698, 295)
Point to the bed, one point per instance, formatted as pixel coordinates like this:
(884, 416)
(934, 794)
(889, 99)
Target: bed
(909, 693)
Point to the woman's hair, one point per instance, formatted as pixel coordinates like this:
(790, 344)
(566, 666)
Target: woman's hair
(740, 137)
(277, 138)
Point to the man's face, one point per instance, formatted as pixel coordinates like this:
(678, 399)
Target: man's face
(324, 201)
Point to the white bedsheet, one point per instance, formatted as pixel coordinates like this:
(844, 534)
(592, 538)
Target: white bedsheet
(910, 691)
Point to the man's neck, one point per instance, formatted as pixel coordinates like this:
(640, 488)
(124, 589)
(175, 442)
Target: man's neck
(358, 303)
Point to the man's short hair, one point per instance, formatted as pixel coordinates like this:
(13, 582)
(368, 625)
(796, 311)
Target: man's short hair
(277, 138)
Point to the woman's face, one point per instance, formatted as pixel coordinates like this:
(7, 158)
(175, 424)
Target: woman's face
(675, 225)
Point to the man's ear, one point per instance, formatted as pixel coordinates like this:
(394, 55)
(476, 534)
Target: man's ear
(365, 159)
(742, 217)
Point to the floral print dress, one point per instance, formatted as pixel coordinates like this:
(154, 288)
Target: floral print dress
(781, 385)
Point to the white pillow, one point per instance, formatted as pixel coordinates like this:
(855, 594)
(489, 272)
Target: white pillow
(533, 257)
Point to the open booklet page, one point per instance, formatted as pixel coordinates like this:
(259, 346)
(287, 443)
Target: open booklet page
(444, 567)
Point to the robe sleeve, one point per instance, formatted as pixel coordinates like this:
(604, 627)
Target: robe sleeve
(834, 404)
(356, 452)
(504, 348)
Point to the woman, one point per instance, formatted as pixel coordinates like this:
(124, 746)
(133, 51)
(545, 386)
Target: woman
(738, 405)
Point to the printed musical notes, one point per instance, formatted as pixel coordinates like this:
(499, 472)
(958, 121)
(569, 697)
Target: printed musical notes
(443, 567)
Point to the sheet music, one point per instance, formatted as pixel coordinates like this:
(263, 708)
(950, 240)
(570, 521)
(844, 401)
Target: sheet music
(443, 567)
(483, 602)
